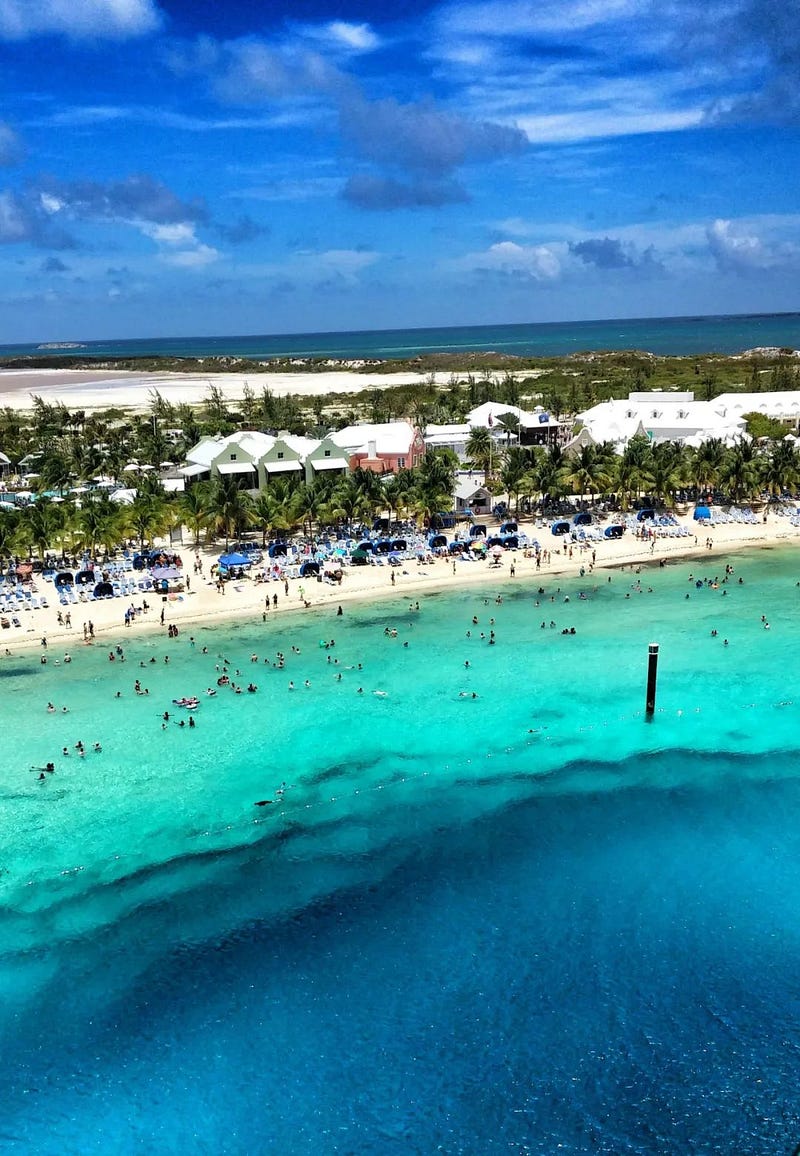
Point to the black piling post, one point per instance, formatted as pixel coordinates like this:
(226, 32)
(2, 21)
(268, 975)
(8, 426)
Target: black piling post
(652, 678)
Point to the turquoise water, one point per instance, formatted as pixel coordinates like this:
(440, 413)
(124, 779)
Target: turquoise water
(530, 921)
(662, 335)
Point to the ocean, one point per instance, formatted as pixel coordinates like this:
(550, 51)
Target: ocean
(529, 921)
(685, 336)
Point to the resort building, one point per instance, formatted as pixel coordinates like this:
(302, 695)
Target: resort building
(448, 437)
(471, 496)
(661, 417)
(239, 454)
(288, 457)
(327, 458)
(782, 405)
(255, 458)
(384, 449)
(527, 429)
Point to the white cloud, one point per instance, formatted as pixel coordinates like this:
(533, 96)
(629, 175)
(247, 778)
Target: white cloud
(50, 204)
(183, 249)
(78, 19)
(605, 122)
(357, 37)
(536, 262)
(196, 258)
(743, 246)
(176, 234)
(521, 18)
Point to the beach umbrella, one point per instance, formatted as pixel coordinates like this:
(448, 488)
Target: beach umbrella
(496, 551)
(229, 560)
(131, 468)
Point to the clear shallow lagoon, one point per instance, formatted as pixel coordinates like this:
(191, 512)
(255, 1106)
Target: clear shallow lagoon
(499, 924)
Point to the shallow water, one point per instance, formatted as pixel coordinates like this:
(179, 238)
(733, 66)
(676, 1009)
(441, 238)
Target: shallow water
(507, 923)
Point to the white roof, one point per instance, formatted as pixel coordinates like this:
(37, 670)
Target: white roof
(391, 437)
(191, 471)
(663, 416)
(466, 488)
(300, 445)
(252, 442)
(173, 485)
(494, 409)
(4, 460)
(775, 403)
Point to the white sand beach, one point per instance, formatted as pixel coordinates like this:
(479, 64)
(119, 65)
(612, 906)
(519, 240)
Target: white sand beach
(101, 389)
(205, 605)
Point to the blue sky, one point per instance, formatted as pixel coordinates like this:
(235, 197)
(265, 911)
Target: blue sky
(189, 167)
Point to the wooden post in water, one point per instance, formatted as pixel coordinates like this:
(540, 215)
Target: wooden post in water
(652, 678)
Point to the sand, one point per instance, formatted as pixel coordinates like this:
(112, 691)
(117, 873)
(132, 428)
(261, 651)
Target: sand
(100, 389)
(204, 605)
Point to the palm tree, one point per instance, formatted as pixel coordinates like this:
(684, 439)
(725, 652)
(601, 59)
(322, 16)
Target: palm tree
(780, 468)
(39, 525)
(740, 474)
(634, 470)
(509, 424)
(9, 522)
(515, 468)
(310, 501)
(480, 450)
(667, 470)
(551, 475)
(149, 516)
(435, 483)
(277, 507)
(587, 473)
(99, 521)
(707, 464)
(193, 508)
(348, 502)
(229, 507)
(55, 469)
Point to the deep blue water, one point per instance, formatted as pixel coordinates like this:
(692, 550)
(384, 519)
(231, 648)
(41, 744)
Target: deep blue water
(661, 335)
(608, 972)
(524, 923)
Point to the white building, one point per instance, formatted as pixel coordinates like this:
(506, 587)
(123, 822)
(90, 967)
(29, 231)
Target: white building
(784, 405)
(662, 417)
(537, 428)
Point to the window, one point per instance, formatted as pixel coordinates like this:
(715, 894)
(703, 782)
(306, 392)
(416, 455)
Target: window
(233, 457)
(327, 453)
(401, 463)
(280, 455)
